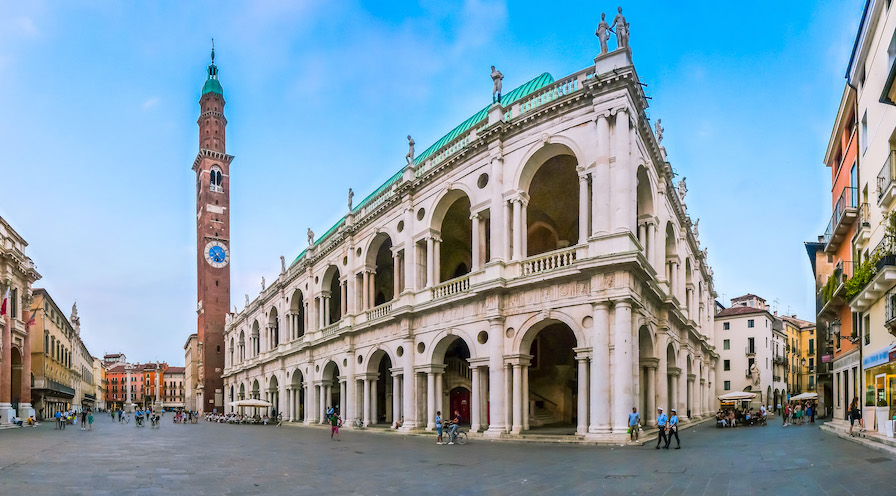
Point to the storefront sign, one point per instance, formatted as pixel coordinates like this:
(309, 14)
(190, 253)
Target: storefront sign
(826, 358)
(877, 358)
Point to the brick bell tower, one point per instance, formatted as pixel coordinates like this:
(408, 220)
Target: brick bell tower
(212, 168)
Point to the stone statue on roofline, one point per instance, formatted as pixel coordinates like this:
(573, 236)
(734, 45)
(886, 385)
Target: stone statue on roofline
(247, 300)
(282, 264)
(351, 196)
(310, 237)
(262, 284)
(696, 229)
(603, 33)
(659, 132)
(410, 156)
(682, 188)
(622, 30)
(497, 77)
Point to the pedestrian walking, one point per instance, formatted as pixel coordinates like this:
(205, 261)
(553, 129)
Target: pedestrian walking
(335, 422)
(83, 420)
(90, 421)
(673, 431)
(58, 423)
(279, 419)
(634, 424)
(661, 423)
(439, 427)
(855, 414)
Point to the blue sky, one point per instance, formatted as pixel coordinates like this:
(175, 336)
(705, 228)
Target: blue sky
(98, 109)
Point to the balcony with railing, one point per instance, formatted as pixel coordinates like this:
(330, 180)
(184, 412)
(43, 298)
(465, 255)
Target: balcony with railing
(845, 212)
(863, 226)
(878, 275)
(452, 287)
(750, 350)
(832, 296)
(890, 314)
(886, 193)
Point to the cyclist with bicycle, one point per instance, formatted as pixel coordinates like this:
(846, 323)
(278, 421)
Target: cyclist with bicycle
(452, 429)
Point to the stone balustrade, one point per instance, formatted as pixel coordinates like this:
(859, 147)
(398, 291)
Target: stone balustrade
(547, 262)
(380, 311)
(451, 287)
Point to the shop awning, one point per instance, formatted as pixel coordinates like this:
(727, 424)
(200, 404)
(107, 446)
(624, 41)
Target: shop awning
(737, 395)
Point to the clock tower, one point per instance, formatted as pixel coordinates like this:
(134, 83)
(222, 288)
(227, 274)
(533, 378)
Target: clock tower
(212, 168)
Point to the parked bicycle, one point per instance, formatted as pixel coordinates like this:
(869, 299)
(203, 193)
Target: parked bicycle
(358, 423)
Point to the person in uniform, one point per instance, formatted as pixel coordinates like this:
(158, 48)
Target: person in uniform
(661, 423)
(673, 431)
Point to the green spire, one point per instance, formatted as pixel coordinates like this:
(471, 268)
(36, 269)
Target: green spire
(212, 85)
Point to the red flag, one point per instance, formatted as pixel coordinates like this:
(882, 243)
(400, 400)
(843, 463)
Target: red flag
(5, 299)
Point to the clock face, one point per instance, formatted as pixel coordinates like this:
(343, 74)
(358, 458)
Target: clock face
(216, 254)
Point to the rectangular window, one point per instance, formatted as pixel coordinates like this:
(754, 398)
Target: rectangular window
(811, 365)
(863, 132)
(811, 346)
(727, 385)
(726, 344)
(727, 365)
(726, 326)
(751, 345)
(751, 323)
(867, 329)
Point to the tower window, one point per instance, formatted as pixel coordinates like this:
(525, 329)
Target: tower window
(215, 180)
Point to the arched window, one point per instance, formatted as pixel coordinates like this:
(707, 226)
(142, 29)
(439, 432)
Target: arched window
(215, 179)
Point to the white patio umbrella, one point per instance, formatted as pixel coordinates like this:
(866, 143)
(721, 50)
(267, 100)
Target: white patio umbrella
(804, 396)
(250, 402)
(737, 395)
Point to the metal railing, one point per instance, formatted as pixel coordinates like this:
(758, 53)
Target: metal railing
(864, 214)
(750, 350)
(549, 261)
(886, 175)
(846, 200)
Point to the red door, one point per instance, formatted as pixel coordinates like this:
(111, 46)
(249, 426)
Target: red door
(460, 401)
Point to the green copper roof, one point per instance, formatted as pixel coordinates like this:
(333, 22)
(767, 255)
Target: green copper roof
(212, 86)
(507, 100)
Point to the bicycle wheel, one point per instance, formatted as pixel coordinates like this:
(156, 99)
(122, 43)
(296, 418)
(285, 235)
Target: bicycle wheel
(461, 438)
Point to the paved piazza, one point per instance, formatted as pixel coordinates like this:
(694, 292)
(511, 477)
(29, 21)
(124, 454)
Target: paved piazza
(177, 459)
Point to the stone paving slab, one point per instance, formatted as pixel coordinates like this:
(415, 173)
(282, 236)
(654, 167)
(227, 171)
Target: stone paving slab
(232, 459)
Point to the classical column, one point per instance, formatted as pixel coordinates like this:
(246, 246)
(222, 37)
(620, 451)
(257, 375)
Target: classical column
(437, 261)
(650, 402)
(475, 403)
(583, 207)
(517, 425)
(371, 291)
(365, 290)
(6, 366)
(430, 261)
(517, 230)
(440, 403)
(396, 274)
(683, 392)
(476, 241)
(525, 373)
(374, 399)
(600, 370)
(508, 230)
(622, 371)
(396, 398)
(508, 396)
(25, 407)
(343, 396)
(410, 252)
(496, 376)
(343, 297)
(642, 237)
(305, 320)
(366, 401)
(409, 383)
(524, 225)
(600, 184)
(320, 400)
(622, 182)
(326, 312)
(496, 212)
(430, 401)
(582, 393)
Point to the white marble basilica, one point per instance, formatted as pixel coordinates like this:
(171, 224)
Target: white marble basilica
(535, 267)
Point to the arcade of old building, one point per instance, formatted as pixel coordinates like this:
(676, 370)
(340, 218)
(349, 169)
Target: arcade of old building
(536, 267)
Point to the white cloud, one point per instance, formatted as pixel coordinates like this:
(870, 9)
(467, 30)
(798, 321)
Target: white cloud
(152, 102)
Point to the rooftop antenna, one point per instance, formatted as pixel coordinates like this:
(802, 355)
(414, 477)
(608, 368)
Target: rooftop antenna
(776, 303)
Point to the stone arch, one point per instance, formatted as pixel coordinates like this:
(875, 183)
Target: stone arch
(379, 256)
(442, 340)
(242, 391)
(547, 349)
(329, 380)
(646, 191)
(256, 389)
(647, 361)
(443, 202)
(273, 328)
(672, 371)
(242, 344)
(16, 376)
(330, 288)
(256, 338)
(230, 350)
(297, 383)
(297, 307)
(541, 152)
(533, 325)
(550, 179)
(379, 363)
(451, 219)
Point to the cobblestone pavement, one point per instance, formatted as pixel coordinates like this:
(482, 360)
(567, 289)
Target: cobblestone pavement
(228, 459)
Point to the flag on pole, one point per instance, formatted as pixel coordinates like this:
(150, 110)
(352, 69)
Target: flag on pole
(31, 320)
(5, 300)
